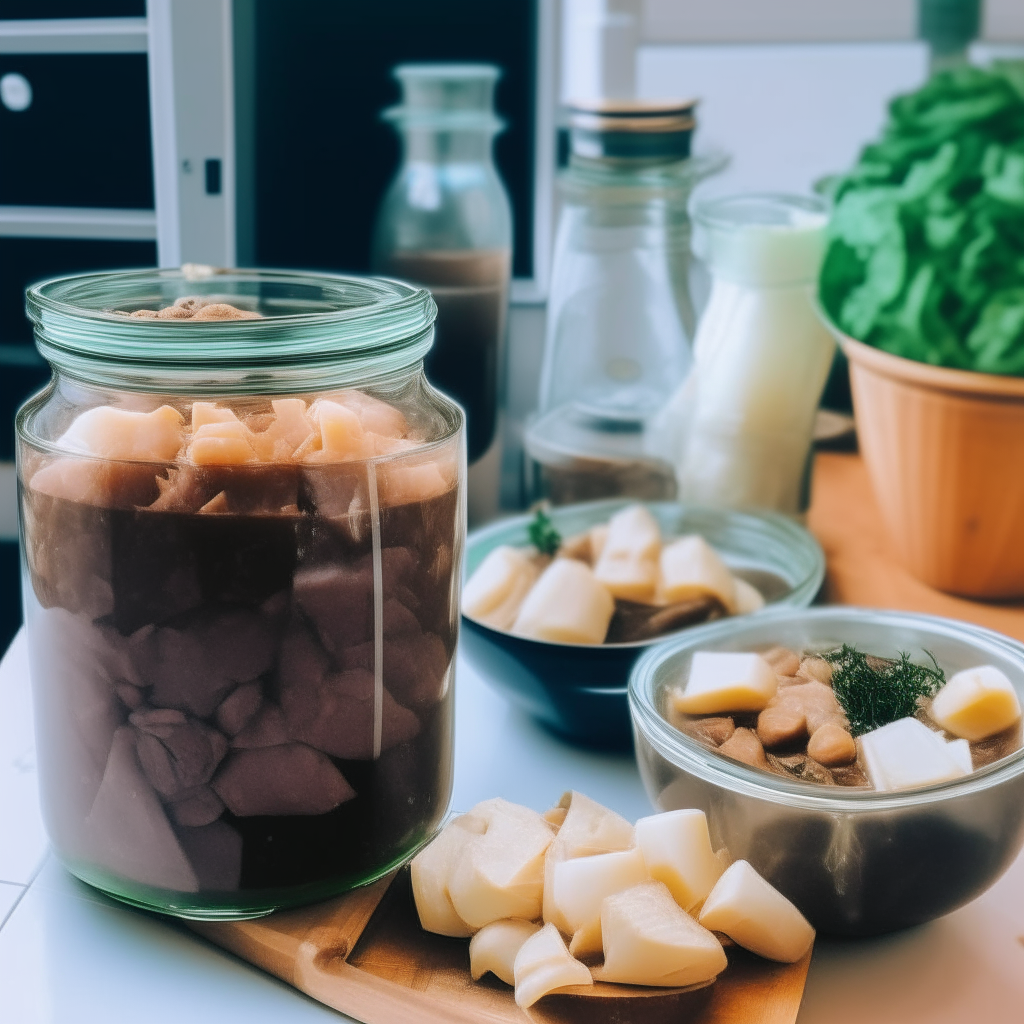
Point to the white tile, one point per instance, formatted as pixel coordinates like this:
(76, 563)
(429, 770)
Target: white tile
(9, 895)
(73, 961)
(22, 836)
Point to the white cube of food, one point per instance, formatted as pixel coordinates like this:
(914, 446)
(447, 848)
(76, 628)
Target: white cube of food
(905, 754)
(721, 681)
(756, 916)
(587, 828)
(748, 597)
(960, 751)
(586, 941)
(500, 872)
(690, 568)
(566, 605)
(650, 940)
(677, 851)
(495, 947)
(543, 965)
(494, 593)
(430, 871)
(628, 564)
(580, 884)
(125, 434)
(976, 703)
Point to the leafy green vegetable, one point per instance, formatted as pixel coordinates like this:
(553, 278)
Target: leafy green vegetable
(875, 691)
(543, 536)
(926, 243)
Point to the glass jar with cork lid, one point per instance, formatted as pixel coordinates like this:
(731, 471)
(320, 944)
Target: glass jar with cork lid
(242, 518)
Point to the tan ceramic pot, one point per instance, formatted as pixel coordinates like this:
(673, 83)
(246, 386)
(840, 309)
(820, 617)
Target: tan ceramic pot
(945, 452)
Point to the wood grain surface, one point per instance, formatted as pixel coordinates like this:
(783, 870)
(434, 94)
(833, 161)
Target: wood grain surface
(366, 955)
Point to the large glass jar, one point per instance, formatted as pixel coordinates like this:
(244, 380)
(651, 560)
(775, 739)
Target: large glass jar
(620, 315)
(446, 223)
(242, 543)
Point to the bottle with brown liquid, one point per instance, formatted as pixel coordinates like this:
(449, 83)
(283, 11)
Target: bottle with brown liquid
(446, 223)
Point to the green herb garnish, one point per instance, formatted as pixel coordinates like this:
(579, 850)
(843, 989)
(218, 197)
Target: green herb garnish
(875, 691)
(543, 536)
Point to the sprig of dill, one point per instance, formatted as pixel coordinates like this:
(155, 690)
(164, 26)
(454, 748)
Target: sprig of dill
(543, 536)
(876, 692)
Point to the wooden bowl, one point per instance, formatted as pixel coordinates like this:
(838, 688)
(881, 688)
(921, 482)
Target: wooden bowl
(945, 452)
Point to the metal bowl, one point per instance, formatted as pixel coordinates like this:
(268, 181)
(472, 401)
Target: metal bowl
(579, 690)
(855, 862)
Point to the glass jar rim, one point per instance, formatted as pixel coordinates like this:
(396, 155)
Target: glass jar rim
(323, 330)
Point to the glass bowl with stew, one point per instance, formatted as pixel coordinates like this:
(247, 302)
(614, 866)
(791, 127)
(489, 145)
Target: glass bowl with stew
(855, 860)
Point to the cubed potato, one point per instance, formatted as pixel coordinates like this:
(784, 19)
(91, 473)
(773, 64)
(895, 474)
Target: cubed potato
(566, 605)
(430, 871)
(341, 433)
(111, 433)
(500, 872)
(756, 916)
(628, 563)
(495, 592)
(748, 598)
(721, 681)
(210, 412)
(676, 847)
(377, 417)
(402, 483)
(905, 754)
(650, 940)
(580, 884)
(543, 965)
(495, 947)
(691, 568)
(586, 829)
(222, 444)
(976, 703)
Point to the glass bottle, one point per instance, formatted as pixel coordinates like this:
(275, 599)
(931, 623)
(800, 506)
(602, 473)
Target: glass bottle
(242, 555)
(620, 313)
(741, 424)
(446, 223)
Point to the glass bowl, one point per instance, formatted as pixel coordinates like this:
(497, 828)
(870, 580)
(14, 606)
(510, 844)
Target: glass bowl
(579, 690)
(855, 862)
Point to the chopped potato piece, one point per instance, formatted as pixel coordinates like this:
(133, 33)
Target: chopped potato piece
(976, 704)
(598, 539)
(430, 871)
(495, 592)
(650, 940)
(748, 598)
(690, 568)
(404, 484)
(756, 916)
(209, 412)
(224, 443)
(628, 565)
(586, 941)
(587, 829)
(906, 753)
(566, 605)
(581, 883)
(111, 433)
(341, 432)
(500, 872)
(377, 417)
(677, 850)
(543, 965)
(495, 947)
(722, 681)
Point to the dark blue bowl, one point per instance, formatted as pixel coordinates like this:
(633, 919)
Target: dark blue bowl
(579, 690)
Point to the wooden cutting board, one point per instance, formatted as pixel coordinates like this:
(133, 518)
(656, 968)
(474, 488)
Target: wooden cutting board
(365, 954)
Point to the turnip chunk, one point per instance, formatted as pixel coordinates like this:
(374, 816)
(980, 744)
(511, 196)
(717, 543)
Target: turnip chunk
(495, 592)
(748, 598)
(756, 916)
(677, 850)
(543, 965)
(905, 754)
(111, 433)
(495, 947)
(430, 870)
(580, 884)
(976, 703)
(722, 681)
(691, 568)
(587, 829)
(650, 940)
(500, 872)
(628, 565)
(566, 605)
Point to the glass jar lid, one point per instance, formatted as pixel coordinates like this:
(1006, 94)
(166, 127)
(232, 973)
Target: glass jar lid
(645, 130)
(314, 331)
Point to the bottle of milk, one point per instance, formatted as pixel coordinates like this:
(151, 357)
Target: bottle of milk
(739, 428)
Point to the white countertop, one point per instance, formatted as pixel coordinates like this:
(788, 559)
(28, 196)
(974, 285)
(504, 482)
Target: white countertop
(68, 954)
